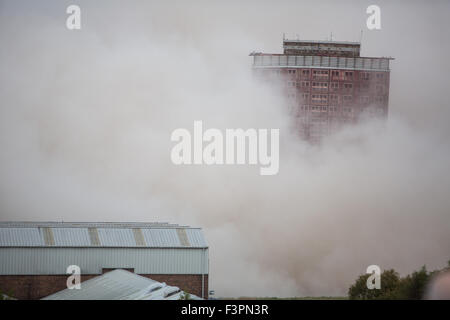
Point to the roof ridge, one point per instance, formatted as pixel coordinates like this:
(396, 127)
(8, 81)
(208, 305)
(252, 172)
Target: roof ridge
(86, 224)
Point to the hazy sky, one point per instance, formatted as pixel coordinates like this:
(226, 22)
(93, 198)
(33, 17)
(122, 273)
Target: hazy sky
(86, 117)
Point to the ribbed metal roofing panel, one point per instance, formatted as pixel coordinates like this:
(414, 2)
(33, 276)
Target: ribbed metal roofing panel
(90, 235)
(161, 237)
(116, 237)
(55, 224)
(120, 285)
(71, 237)
(112, 285)
(196, 238)
(20, 237)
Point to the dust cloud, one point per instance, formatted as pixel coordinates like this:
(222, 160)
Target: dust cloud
(86, 118)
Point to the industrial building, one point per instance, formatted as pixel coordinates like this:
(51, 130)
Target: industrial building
(34, 256)
(327, 84)
(122, 285)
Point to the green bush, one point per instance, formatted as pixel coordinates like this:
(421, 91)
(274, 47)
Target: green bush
(389, 283)
(410, 287)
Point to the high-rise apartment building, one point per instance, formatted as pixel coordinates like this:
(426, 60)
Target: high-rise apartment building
(327, 83)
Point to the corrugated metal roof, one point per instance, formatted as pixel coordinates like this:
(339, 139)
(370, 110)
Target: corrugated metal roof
(115, 237)
(20, 237)
(65, 236)
(74, 234)
(196, 239)
(62, 224)
(161, 237)
(120, 285)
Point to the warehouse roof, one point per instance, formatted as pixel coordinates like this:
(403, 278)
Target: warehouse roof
(120, 285)
(100, 234)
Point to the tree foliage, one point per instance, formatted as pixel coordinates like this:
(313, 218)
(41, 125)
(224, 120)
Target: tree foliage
(389, 283)
(410, 287)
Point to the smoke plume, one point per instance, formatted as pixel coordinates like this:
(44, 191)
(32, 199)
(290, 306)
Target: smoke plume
(86, 118)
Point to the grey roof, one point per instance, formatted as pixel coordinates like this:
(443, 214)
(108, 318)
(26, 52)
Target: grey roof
(120, 285)
(100, 234)
(55, 224)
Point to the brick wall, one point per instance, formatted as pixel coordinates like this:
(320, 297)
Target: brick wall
(39, 286)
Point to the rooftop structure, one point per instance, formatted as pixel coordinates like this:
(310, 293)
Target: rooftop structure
(327, 48)
(100, 234)
(262, 60)
(327, 84)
